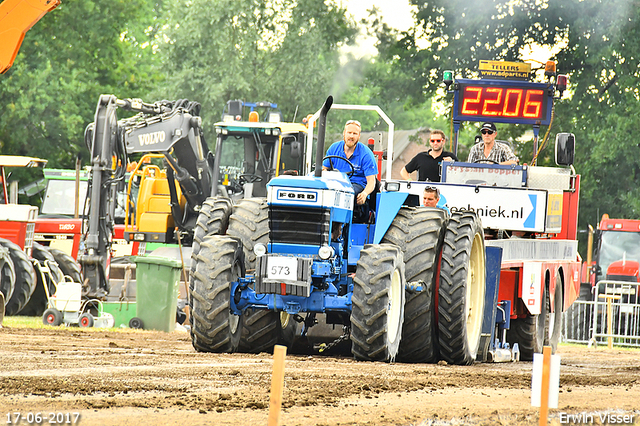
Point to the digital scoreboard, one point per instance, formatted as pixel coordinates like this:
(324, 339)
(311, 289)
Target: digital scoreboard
(502, 101)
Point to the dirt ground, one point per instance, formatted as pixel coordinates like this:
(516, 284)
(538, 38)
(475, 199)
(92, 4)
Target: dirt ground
(118, 377)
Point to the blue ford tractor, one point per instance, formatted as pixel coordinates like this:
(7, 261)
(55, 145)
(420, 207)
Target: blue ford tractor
(298, 253)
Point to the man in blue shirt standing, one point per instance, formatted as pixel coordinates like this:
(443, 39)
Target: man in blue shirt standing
(363, 179)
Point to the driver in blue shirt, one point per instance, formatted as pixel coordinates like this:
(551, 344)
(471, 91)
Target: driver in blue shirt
(363, 179)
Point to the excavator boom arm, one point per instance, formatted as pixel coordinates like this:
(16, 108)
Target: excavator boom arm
(16, 18)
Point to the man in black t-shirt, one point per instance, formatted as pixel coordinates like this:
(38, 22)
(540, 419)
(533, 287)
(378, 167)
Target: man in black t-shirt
(428, 163)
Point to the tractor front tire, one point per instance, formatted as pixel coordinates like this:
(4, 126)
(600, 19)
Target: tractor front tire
(378, 303)
(219, 262)
(25, 282)
(7, 279)
(418, 232)
(461, 289)
(68, 266)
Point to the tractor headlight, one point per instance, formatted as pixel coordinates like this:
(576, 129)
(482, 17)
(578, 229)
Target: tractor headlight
(260, 249)
(325, 252)
(392, 186)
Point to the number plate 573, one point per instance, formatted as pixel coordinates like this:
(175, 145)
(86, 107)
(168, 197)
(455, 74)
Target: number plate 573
(282, 268)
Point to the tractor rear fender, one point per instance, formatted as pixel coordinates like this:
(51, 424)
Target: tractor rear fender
(388, 205)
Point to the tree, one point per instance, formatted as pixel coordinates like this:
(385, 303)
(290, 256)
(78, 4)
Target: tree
(75, 53)
(599, 49)
(282, 51)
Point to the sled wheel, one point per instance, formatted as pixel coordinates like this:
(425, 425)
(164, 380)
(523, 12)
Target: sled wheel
(553, 326)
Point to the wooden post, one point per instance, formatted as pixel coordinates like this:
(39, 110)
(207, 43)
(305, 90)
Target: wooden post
(277, 384)
(544, 397)
(610, 298)
(76, 207)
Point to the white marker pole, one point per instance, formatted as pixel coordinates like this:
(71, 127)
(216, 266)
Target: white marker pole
(545, 382)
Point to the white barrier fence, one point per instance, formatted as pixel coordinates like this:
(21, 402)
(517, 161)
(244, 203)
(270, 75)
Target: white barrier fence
(612, 318)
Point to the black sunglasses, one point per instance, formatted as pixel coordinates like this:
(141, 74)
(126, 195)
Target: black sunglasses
(432, 188)
(487, 132)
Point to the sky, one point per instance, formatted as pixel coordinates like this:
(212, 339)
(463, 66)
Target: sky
(396, 14)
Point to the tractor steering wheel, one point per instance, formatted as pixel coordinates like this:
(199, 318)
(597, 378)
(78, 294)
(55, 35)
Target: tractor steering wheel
(249, 178)
(353, 168)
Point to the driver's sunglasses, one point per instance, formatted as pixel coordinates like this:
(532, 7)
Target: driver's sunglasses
(487, 132)
(356, 122)
(436, 140)
(432, 188)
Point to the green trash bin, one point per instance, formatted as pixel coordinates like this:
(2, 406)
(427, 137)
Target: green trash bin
(157, 281)
(122, 312)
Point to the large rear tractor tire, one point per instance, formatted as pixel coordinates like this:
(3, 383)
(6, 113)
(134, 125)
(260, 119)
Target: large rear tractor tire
(418, 232)
(461, 289)
(25, 282)
(534, 332)
(219, 262)
(7, 278)
(67, 264)
(262, 329)
(38, 302)
(378, 303)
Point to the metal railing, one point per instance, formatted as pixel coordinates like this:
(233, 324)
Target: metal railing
(576, 322)
(613, 317)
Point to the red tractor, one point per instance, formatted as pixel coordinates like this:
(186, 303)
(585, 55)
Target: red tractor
(22, 281)
(610, 275)
(613, 254)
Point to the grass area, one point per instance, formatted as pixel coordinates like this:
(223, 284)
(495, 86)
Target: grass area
(36, 322)
(599, 346)
(23, 322)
